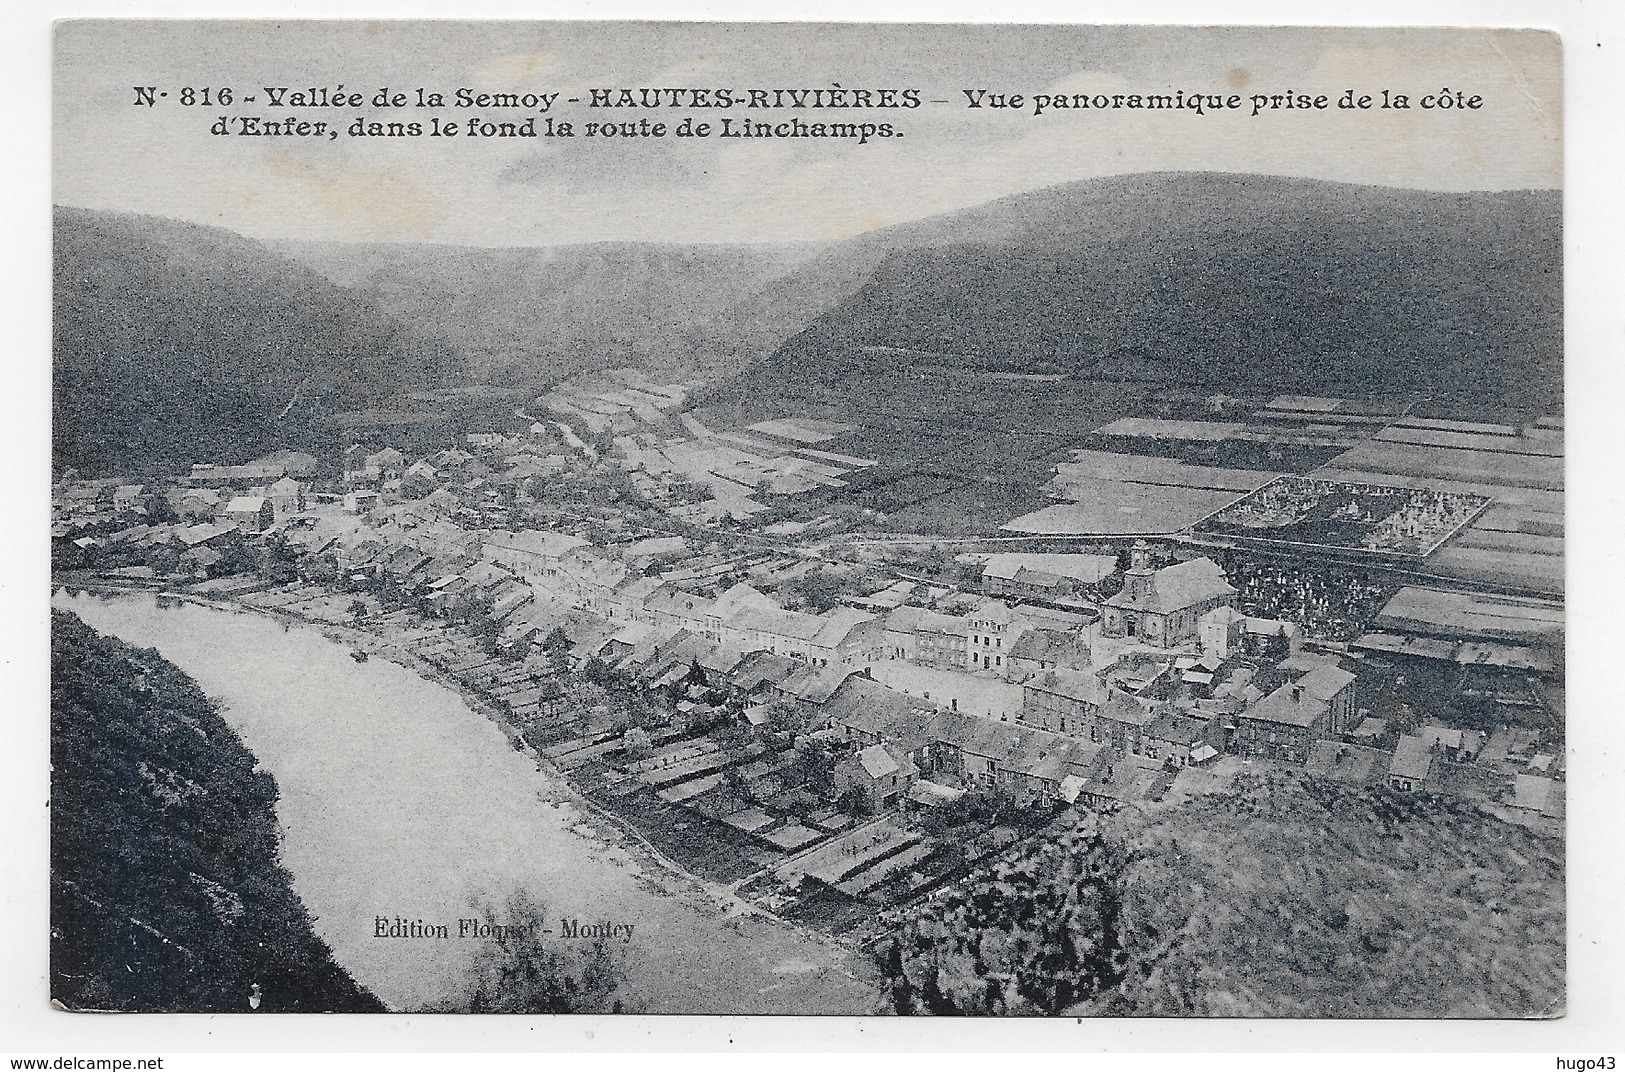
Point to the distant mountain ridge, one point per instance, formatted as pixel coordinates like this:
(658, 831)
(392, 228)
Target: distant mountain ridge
(174, 343)
(539, 313)
(1289, 284)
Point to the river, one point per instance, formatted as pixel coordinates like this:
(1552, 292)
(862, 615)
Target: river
(398, 800)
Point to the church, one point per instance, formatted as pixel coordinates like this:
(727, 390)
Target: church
(1164, 607)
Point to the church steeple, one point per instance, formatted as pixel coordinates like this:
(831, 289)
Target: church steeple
(1137, 581)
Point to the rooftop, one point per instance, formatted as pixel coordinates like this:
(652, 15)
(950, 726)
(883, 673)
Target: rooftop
(1413, 758)
(1177, 587)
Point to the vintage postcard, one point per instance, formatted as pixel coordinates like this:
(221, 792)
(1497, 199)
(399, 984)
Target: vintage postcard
(699, 518)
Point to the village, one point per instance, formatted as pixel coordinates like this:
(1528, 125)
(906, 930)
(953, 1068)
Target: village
(674, 618)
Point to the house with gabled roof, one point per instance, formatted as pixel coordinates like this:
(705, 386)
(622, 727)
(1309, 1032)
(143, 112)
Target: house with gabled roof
(1061, 701)
(756, 675)
(1285, 723)
(732, 600)
(1038, 650)
(407, 564)
(991, 632)
(197, 535)
(626, 600)
(683, 610)
(719, 665)
(532, 553)
(129, 496)
(590, 579)
(925, 637)
(1121, 722)
(249, 513)
(1334, 687)
(1036, 762)
(867, 712)
(881, 774)
(1344, 762)
(811, 687)
(1178, 738)
(1112, 780)
(287, 496)
(843, 636)
(1411, 765)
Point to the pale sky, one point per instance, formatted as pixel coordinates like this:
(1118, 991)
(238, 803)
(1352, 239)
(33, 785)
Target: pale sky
(110, 154)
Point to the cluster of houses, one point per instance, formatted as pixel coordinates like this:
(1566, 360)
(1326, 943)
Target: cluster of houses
(1113, 705)
(197, 515)
(1118, 694)
(1110, 732)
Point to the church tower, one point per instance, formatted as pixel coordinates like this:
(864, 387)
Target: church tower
(1137, 581)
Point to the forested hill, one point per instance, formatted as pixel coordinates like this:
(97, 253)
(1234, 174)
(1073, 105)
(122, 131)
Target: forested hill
(1222, 280)
(1278, 896)
(175, 343)
(166, 891)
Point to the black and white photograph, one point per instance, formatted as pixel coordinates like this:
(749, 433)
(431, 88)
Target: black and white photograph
(834, 520)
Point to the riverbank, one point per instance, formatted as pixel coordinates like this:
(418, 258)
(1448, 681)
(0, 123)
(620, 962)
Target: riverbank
(559, 783)
(130, 931)
(719, 953)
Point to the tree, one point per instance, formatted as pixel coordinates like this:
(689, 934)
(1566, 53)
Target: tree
(636, 743)
(690, 491)
(1030, 935)
(597, 671)
(734, 782)
(549, 693)
(732, 734)
(234, 558)
(817, 763)
(358, 610)
(416, 486)
(818, 589)
(784, 718)
(279, 562)
(159, 511)
(322, 568)
(521, 968)
(486, 629)
(164, 559)
(556, 646)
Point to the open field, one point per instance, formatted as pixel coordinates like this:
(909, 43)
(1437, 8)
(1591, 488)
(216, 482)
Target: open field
(1089, 465)
(1522, 570)
(1458, 614)
(1119, 508)
(958, 454)
(1517, 470)
(1498, 444)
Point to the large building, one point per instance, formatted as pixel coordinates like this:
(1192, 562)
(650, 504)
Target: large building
(841, 637)
(992, 632)
(1165, 607)
(1046, 577)
(1062, 701)
(533, 554)
(1286, 723)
